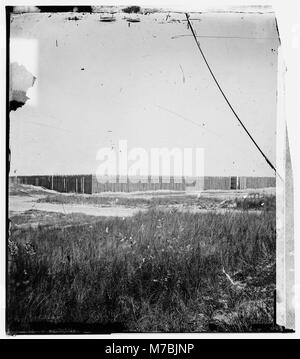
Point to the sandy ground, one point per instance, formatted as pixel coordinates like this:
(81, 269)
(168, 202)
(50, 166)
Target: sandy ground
(24, 198)
(19, 204)
(221, 194)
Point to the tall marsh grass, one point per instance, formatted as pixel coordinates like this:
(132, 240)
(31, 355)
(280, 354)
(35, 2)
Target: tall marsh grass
(156, 271)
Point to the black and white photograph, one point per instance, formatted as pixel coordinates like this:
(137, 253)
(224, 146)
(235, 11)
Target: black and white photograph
(150, 184)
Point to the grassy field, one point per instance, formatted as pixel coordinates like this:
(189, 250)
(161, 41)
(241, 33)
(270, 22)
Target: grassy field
(120, 200)
(159, 271)
(250, 201)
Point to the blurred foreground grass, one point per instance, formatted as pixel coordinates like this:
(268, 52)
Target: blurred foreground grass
(159, 271)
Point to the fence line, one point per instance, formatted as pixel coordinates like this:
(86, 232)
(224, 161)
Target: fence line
(89, 183)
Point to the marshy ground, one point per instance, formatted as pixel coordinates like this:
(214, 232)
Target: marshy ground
(176, 262)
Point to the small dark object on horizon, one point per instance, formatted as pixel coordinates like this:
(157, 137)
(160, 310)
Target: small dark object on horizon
(107, 18)
(132, 9)
(74, 18)
(133, 20)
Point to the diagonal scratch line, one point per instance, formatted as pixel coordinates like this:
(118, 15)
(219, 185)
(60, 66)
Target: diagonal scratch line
(183, 77)
(226, 99)
(202, 128)
(178, 115)
(226, 37)
(46, 125)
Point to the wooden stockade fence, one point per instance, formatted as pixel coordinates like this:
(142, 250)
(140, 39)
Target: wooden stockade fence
(121, 184)
(90, 184)
(60, 183)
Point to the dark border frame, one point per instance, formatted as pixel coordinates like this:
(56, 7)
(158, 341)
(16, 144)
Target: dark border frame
(46, 328)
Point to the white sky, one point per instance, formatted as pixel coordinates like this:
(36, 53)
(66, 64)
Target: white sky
(145, 87)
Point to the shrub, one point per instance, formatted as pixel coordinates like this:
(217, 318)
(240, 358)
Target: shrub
(132, 9)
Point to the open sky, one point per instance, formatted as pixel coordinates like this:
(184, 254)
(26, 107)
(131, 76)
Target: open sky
(97, 83)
